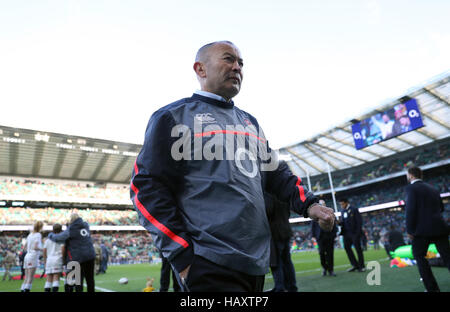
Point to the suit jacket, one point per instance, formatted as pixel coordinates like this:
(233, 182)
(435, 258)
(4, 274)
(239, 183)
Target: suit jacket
(351, 222)
(424, 209)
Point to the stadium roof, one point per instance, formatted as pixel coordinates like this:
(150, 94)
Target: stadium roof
(33, 153)
(336, 146)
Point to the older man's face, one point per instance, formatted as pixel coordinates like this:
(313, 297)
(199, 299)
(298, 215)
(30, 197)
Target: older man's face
(224, 70)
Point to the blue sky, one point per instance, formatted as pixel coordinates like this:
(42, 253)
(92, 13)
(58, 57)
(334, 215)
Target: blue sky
(101, 68)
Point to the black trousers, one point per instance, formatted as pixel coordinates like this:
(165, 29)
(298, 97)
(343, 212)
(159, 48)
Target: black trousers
(284, 272)
(164, 280)
(104, 265)
(356, 242)
(326, 253)
(420, 248)
(87, 272)
(206, 276)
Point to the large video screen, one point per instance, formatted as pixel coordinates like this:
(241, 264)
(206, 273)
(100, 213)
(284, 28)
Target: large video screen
(383, 126)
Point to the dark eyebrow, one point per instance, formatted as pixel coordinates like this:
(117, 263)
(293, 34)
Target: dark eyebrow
(233, 56)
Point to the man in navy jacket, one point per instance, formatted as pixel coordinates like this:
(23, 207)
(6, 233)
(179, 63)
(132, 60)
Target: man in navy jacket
(425, 225)
(198, 183)
(351, 230)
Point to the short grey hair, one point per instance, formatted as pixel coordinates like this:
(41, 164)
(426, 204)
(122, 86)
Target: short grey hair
(202, 53)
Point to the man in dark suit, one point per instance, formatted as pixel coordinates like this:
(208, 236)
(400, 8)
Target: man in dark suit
(425, 225)
(351, 222)
(325, 240)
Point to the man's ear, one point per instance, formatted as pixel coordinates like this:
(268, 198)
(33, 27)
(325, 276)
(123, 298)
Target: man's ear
(199, 69)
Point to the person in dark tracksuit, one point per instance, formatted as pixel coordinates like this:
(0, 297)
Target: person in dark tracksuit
(325, 240)
(105, 257)
(376, 238)
(283, 270)
(80, 248)
(166, 272)
(351, 229)
(425, 225)
(198, 182)
(394, 239)
(364, 240)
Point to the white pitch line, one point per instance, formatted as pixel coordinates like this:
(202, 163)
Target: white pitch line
(320, 269)
(96, 287)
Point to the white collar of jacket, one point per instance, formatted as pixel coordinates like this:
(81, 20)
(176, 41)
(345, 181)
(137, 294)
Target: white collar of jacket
(416, 180)
(211, 95)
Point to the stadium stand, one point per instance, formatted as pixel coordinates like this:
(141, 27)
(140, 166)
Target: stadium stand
(425, 155)
(80, 190)
(50, 215)
(124, 248)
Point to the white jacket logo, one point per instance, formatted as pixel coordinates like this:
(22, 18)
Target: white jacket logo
(205, 118)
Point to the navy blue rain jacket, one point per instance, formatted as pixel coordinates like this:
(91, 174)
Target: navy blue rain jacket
(77, 238)
(194, 198)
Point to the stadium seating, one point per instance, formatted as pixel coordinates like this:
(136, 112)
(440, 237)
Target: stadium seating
(399, 162)
(123, 247)
(28, 186)
(50, 215)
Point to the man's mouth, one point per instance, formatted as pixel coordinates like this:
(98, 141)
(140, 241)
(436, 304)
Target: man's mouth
(235, 79)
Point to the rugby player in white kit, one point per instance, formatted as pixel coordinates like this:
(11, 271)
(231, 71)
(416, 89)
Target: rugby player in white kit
(31, 260)
(53, 259)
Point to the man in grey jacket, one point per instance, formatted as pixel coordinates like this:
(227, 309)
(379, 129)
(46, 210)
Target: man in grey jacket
(80, 248)
(198, 183)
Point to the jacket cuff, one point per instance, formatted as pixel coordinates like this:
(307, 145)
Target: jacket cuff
(311, 201)
(182, 260)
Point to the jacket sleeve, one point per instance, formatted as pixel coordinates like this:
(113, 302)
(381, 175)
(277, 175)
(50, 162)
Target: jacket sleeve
(411, 211)
(154, 184)
(60, 237)
(289, 188)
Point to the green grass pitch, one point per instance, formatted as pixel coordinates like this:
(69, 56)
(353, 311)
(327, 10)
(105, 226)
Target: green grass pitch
(308, 273)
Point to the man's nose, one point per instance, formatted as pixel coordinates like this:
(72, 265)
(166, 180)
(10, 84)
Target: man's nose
(236, 66)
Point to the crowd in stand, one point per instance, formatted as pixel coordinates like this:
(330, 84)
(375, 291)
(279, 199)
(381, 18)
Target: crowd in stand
(392, 191)
(123, 247)
(376, 221)
(128, 247)
(369, 172)
(50, 215)
(9, 186)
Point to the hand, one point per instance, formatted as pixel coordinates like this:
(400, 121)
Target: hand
(411, 237)
(184, 273)
(323, 215)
